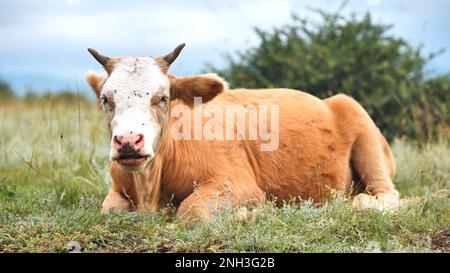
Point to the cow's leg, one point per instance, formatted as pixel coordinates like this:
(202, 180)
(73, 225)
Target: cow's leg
(371, 156)
(115, 201)
(374, 163)
(216, 196)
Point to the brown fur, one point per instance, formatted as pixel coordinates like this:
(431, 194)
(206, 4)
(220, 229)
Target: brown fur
(109, 66)
(207, 86)
(162, 64)
(96, 82)
(324, 145)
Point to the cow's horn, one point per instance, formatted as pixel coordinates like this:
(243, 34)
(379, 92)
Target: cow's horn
(170, 58)
(99, 57)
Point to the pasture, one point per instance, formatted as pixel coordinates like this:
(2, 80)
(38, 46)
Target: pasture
(54, 175)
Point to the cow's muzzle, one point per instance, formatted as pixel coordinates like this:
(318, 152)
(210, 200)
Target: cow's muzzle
(128, 156)
(132, 160)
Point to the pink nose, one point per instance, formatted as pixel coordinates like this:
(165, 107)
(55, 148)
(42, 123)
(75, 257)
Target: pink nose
(136, 141)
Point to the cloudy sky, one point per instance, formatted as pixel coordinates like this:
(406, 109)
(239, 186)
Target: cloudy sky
(43, 43)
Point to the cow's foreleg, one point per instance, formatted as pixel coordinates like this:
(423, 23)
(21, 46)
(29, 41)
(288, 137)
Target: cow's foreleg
(116, 202)
(213, 198)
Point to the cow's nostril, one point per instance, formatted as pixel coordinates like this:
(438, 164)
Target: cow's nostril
(135, 141)
(117, 141)
(140, 140)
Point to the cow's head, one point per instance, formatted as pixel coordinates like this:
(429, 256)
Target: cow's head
(135, 96)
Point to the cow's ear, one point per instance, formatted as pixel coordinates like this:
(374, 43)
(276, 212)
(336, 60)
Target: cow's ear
(206, 86)
(96, 82)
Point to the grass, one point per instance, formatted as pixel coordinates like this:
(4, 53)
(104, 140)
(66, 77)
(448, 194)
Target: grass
(54, 176)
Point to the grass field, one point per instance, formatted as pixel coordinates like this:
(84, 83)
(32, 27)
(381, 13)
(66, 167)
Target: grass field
(54, 175)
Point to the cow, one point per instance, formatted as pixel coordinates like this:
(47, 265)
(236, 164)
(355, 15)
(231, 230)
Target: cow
(323, 146)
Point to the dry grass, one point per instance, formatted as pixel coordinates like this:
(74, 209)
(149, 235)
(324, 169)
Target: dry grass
(54, 174)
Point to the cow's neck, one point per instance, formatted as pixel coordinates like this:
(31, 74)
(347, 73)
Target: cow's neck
(142, 189)
(147, 186)
(183, 165)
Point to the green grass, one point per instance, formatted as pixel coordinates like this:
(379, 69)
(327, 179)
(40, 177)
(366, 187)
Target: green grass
(54, 176)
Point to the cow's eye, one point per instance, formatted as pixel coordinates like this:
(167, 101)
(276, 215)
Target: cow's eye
(105, 102)
(160, 100)
(164, 99)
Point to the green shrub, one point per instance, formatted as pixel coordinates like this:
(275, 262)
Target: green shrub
(5, 91)
(351, 55)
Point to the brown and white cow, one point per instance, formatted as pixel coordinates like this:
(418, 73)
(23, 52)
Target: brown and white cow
(323, 145)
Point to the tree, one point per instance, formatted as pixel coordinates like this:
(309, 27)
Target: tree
(351, 55)
(5, 91)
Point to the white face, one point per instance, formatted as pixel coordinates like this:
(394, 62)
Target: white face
(135, 97)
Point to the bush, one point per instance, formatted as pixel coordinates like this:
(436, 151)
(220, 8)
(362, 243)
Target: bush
(5, 91)
(351, 55)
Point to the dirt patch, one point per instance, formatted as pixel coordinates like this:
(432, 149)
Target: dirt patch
(440, 242)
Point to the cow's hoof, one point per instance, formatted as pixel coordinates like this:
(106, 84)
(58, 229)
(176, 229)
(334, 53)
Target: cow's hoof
(381, 202)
